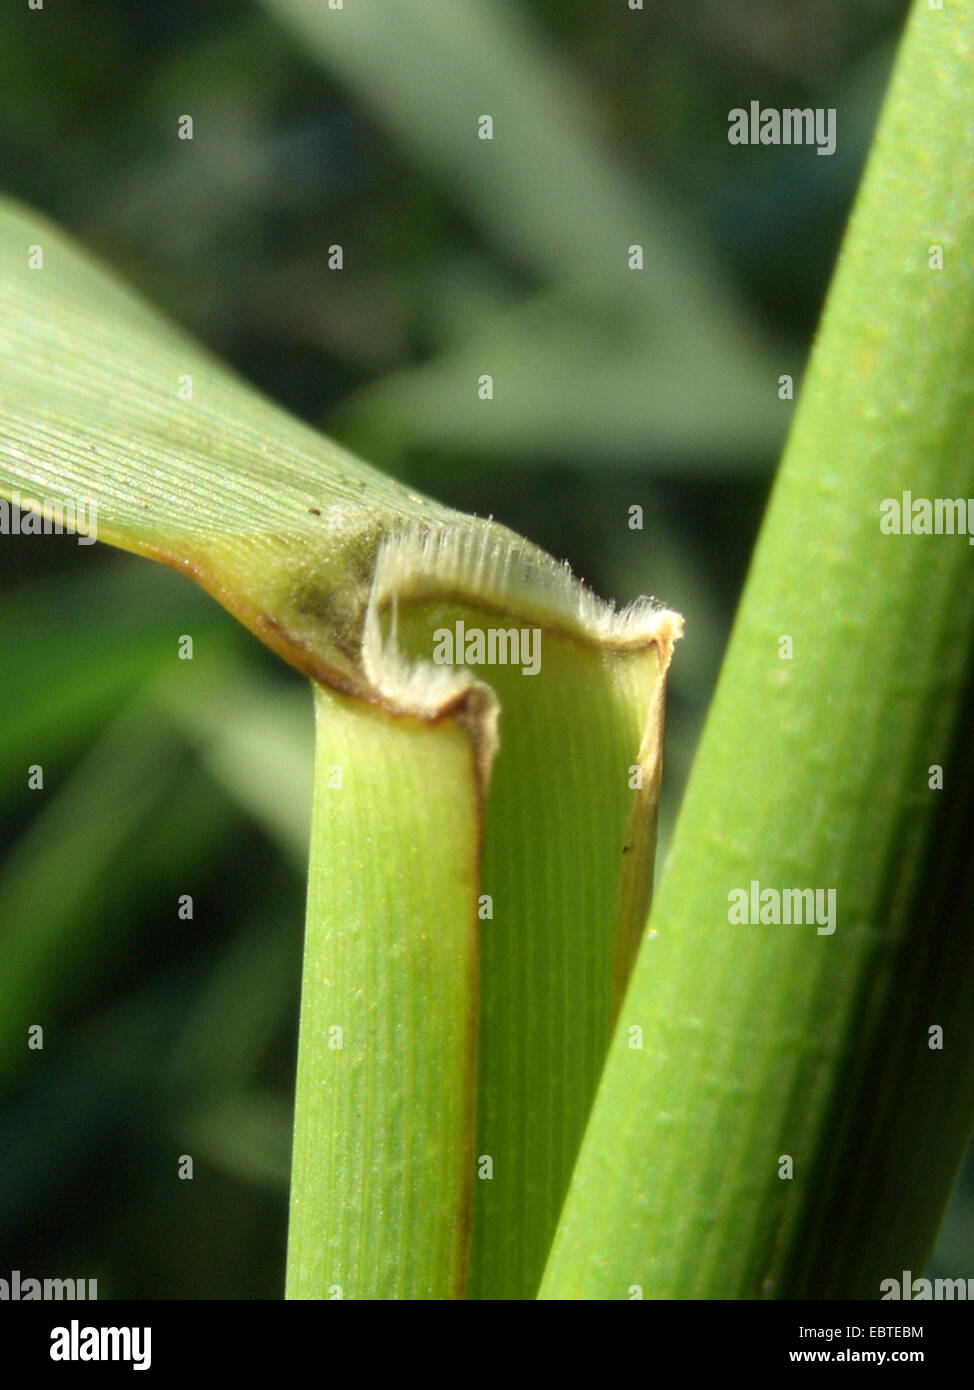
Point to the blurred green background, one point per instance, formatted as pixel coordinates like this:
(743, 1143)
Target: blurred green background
(613, 387)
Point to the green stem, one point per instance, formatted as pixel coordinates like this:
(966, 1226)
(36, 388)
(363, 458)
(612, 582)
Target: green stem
(383, 1162)
(768, 1041)
(404, 912)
